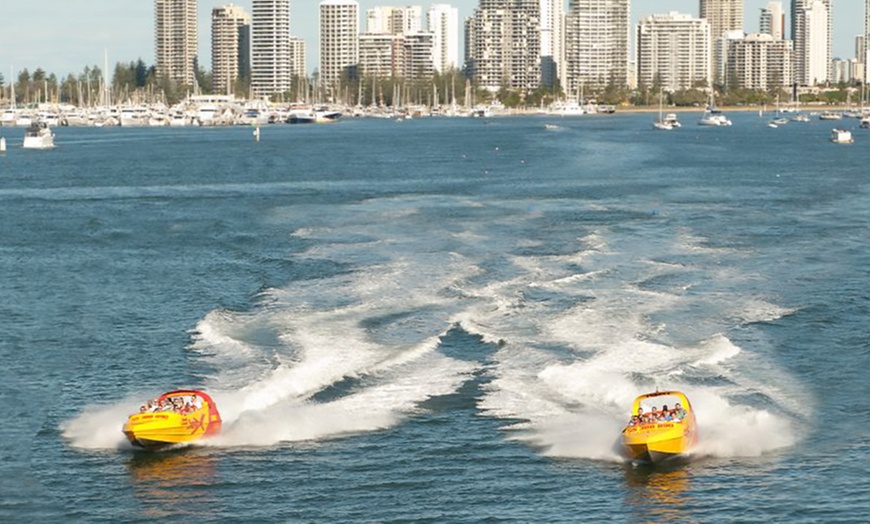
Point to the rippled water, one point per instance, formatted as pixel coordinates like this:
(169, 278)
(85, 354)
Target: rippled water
(438, 320)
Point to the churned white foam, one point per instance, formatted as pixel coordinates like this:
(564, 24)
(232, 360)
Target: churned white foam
(99, 427)
(395, 394)
(716, 350)
(729, 430)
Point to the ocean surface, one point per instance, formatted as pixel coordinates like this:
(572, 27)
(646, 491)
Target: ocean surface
(437, 320)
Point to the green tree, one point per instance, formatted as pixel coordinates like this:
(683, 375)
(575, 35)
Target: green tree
(22, 87)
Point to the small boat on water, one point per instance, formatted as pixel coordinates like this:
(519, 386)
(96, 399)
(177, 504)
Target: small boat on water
(800, 118)
(830, 115)
(662, 428)
(176, 417)
(841, 136)
(712, 119)
(38, 136)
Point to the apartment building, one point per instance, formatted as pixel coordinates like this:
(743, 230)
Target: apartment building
(175, 40)
(674, 50)
(597, 44)
(271, 65)
(339, 40)
(759, 61)
(228, 46)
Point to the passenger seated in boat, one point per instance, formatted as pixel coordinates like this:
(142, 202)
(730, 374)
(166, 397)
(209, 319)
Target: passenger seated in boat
(667, 415)
(679, 412)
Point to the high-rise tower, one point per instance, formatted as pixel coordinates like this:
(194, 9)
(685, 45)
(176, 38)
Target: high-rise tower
(674, 50)
(175, 40)
(339, 40)
(505, 40)
(443, 22)
(228, 46)
(772, 20)
(597, 44)
(271, 63)
(811, 32)
(725, 18)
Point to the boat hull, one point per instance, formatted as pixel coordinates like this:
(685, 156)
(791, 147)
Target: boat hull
(160, 429)
(657, 443)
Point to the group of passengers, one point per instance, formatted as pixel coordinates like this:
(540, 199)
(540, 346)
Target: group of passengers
(656, 415)
(183, 405)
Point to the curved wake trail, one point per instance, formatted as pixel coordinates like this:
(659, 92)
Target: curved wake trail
(581, 330)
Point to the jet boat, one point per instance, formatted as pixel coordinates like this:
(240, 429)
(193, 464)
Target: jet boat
(662, 428)
(176, 417)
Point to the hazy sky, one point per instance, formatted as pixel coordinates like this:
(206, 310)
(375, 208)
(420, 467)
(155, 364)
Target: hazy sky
(63, 36)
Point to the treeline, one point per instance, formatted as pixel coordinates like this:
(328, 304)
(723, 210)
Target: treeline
(134, 81)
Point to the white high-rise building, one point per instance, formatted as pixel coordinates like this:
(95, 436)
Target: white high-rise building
(673, 49)
(801, 46)
(175, 40)
(772, 20)
(394, 20)
(504, 37)
(227, 46)
(339, 40)
(552, 55)
(378, 54)
(866, 58)
(442, 21)
(726, 19)
(723, 16)
(759, 61)
(271, 65)
(812, 41)
(597, 44)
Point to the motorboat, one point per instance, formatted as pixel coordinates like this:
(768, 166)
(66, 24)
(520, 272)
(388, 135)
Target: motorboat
(865, 123)
(662, 428)
(830, 115)
(781, 121)
(176, 417)
(800, 118)
(714, 119)
(841, 136)
(671, 118)
(38, 136)
(661, 124)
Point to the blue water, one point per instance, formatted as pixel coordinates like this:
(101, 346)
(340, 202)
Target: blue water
(438, 320)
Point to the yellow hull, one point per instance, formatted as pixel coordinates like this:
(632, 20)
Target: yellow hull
(159, 429)
(659, 441)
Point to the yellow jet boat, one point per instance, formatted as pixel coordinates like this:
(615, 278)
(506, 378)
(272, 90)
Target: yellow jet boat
(662, 428)
(176, 417)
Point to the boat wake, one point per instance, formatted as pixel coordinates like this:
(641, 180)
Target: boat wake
(577, 327)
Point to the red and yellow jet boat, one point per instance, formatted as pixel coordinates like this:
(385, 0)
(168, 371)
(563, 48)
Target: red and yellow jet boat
(662, 427)
(176, 417)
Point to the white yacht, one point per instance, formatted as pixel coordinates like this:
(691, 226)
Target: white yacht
(841, 136)
(671, 118)
(8, 117)
(713, 119)
(800, 118)
(38, 136)
(134, 116)
(865, 123)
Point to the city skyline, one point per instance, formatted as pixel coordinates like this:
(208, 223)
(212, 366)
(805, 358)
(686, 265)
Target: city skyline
(124, 29)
